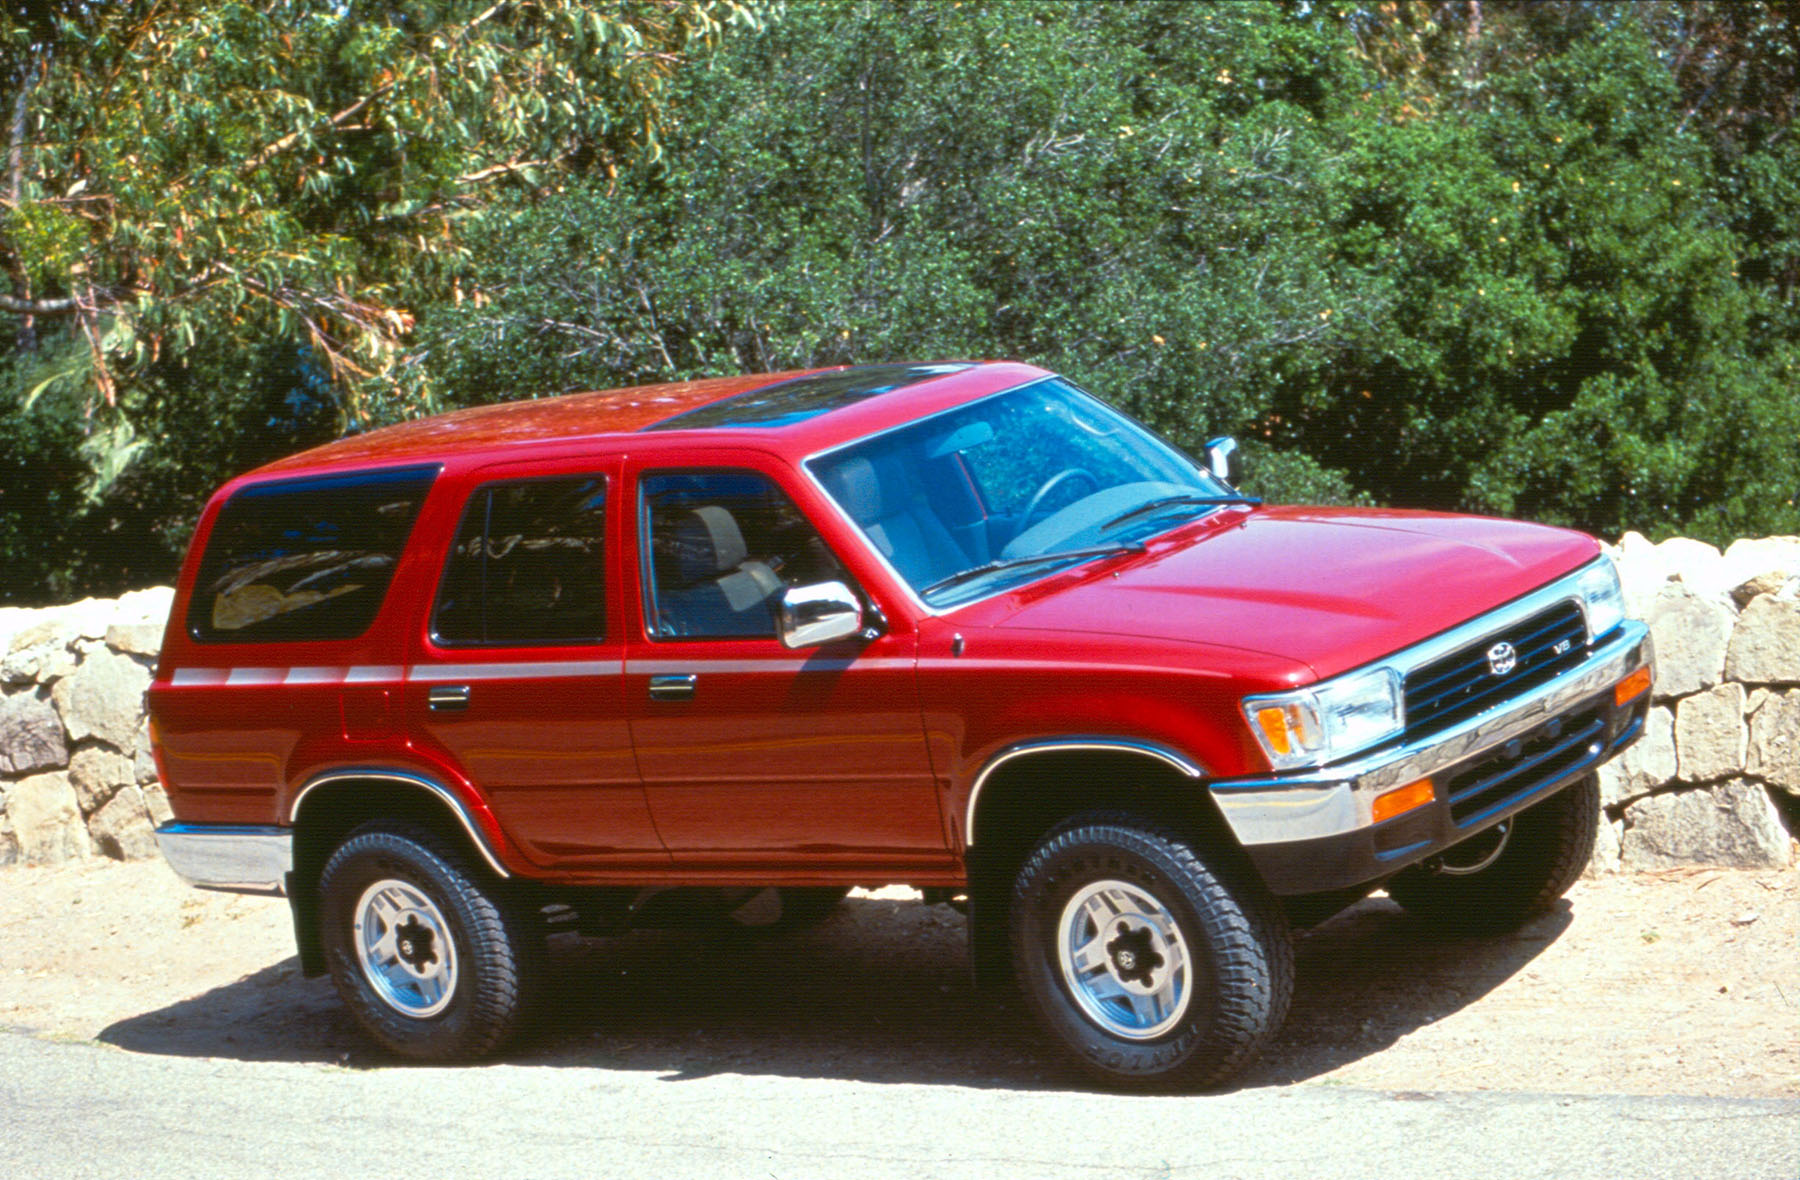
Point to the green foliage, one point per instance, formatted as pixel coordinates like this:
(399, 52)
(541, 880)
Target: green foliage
(1492, 268)
(1538, 259)
(1091, 186)
(187, 181)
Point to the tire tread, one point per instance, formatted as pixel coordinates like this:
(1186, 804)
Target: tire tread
(497, 954)
(1546, 854)
(1250, 948)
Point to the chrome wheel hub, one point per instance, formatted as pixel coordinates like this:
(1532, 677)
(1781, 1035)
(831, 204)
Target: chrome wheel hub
(404, 947)
(1124, 960)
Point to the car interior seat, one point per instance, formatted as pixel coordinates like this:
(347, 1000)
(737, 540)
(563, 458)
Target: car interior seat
(705, 583)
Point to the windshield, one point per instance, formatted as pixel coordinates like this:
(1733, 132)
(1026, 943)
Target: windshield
(989, 495)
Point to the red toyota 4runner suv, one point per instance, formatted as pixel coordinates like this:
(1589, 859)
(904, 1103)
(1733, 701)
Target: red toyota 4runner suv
(719, 651)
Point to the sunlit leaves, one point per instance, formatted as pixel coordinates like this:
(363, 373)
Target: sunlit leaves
(298, 168)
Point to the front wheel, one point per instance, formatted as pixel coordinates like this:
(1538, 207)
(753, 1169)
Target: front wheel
(423, 953)
(1149, 967)
(1495, 881)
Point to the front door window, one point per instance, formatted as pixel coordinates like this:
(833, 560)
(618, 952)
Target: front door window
(722, 548)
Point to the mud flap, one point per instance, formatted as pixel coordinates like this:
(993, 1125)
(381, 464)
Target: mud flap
(303, 903)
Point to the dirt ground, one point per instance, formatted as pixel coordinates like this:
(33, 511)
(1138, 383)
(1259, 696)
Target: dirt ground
(1684, 982)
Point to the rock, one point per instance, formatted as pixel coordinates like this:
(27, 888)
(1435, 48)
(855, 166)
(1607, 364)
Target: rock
(1695, 564)
(1645, 766)
(31, 735)
(157, 801)
(1773, 582)
(14, 619)
(97, 774)
(1691, 634)
(1775, 739)
(1605, 861)
(1732, 824)
(143, 762)
(89, 618)
(1710, 734)
(122, 828)
(138, 639)
(150, 605)
(38, 655)
(1758, 558)
(9, 847)
(1642, 572)
(1765, 647)
(46, 630)
(46, 824)
(104, 698)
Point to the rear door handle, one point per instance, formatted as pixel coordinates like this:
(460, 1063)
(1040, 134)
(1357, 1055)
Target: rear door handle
(672, 688)
(447, 698)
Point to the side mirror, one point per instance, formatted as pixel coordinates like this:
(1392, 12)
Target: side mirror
(1222, 459)
(812, 615)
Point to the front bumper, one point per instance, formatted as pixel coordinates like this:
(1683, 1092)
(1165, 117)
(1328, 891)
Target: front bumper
(235, 858)
(1314, 831)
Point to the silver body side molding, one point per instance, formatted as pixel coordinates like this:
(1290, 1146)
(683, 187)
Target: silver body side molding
(444, 795)
(1071, 745)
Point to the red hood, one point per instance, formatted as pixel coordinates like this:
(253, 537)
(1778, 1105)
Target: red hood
(1331, 588)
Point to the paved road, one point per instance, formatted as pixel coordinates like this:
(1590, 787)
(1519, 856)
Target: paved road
(86, 1110)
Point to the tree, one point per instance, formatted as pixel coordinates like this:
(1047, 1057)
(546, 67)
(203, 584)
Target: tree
(190, 181)
(1129, 193)
(184, 167)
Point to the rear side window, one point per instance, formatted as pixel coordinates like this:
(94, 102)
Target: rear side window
(305, 559)
(528, 565)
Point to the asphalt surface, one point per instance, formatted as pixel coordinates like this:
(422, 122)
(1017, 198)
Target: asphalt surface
(95, 1110)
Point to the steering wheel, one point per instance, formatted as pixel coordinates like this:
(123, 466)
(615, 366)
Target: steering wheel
(1050, 485)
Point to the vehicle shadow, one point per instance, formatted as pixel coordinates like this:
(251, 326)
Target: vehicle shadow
(879, 993)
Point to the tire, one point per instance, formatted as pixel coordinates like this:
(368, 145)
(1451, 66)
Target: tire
(1498, 880)
(429, 961)
(1148, 966)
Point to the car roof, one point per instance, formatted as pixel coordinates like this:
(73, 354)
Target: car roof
(814, 407)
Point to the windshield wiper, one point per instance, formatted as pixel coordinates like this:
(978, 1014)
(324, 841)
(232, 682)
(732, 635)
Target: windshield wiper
(1171, 501)
(1007, 563)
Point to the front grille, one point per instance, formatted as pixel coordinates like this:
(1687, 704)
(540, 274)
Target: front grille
(1462, 684)
(1527, 764)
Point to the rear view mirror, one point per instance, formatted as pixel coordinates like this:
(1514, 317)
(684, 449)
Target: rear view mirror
(971, 434)
(1222, 459)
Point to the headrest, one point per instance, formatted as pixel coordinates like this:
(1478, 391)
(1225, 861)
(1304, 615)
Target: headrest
(706, 542)
(855, 485)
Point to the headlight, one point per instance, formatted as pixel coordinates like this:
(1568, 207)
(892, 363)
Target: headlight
(1313, 726)
(1601, 598)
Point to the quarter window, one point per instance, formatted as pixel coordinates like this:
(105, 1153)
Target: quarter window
(305, 559)
(527, 567)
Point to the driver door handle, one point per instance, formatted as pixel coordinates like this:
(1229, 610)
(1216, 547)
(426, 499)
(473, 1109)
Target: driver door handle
(673, 688)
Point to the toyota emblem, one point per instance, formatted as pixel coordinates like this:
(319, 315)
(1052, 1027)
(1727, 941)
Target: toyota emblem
(1502, 658)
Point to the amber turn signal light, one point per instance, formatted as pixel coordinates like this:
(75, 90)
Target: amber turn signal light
(1400, 800)
(1632, 686)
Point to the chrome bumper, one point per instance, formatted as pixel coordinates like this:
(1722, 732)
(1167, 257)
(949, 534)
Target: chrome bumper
(236, 858)
(1334, 800)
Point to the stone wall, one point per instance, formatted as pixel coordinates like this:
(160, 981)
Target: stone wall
(76, 777)
(1715, 779)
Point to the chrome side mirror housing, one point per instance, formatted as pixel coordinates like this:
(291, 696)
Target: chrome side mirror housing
(812, 615)
(1222, 459)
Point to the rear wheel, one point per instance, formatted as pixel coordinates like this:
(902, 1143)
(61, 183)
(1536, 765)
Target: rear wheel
(420, 947)
(1497, 880)
(1149, 967)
